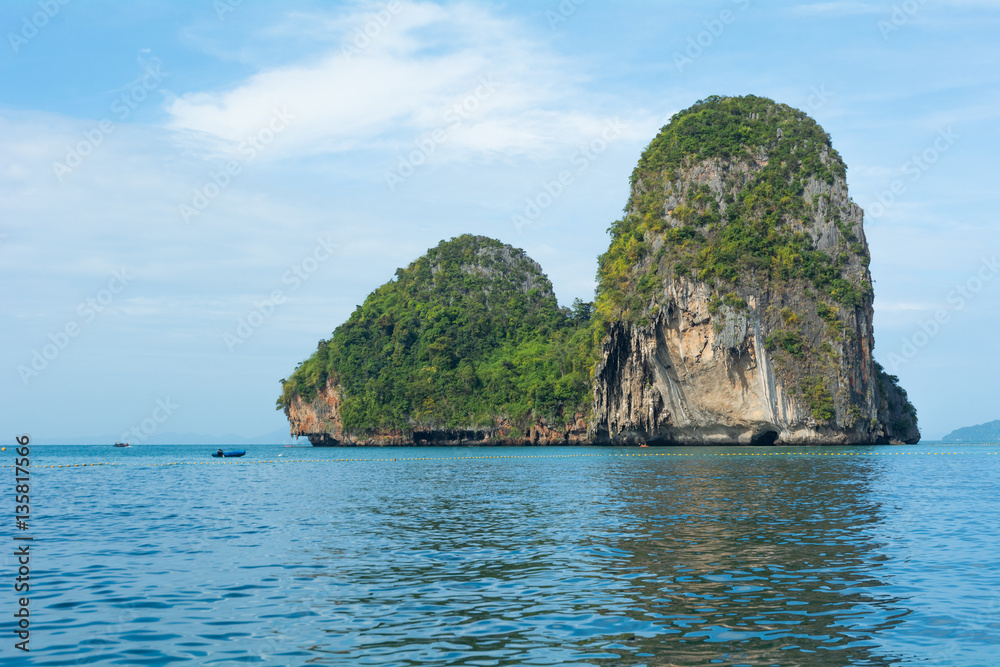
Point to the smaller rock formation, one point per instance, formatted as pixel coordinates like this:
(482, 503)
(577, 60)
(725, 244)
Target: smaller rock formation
(466, 346)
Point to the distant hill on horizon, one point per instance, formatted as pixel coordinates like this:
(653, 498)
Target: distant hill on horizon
(988, 432)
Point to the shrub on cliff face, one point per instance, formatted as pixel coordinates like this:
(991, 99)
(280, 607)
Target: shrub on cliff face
(818, 399)
(467, 333)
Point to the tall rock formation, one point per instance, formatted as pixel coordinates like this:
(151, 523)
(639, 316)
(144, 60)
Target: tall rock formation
(735, 298)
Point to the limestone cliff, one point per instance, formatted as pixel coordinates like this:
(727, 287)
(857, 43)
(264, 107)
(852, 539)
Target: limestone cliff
(736, 297)
(320, 421)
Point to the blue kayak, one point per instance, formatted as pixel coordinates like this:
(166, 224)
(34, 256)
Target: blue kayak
(228, 454)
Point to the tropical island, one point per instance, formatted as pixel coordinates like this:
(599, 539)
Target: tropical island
(734, 306)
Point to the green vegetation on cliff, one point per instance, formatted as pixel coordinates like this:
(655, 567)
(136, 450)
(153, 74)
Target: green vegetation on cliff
(468, 333)
(894, 400)
(755, 226)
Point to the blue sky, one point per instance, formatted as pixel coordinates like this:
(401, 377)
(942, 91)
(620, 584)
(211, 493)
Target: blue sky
(192, 194)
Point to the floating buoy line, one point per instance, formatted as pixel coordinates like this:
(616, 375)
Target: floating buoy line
(509, 456)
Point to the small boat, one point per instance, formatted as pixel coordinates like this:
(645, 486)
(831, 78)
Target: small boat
(229, 454)
(122, 444)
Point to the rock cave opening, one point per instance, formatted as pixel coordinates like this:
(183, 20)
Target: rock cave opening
(765, 439)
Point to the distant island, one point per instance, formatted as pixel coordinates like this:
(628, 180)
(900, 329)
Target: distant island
(983, 433)
(734, 306)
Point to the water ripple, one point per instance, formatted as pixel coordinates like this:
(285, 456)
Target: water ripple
(553, 560)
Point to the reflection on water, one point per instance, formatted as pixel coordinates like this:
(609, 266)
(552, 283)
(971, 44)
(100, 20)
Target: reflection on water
(551, 559)
(756, 561)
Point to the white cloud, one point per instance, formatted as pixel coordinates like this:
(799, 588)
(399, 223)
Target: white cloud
(905, 306)
(458, 69)
(829, 9)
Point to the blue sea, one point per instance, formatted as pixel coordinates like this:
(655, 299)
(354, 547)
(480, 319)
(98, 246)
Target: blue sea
(162, 555)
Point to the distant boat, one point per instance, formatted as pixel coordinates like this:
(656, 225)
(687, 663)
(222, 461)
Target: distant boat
(228, 454)
(122, 444)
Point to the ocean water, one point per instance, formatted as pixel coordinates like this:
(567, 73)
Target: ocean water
(509, 556)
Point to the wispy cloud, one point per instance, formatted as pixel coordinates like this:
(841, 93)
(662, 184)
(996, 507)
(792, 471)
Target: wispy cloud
(833, 9)
(402, 79)
(905, 306)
